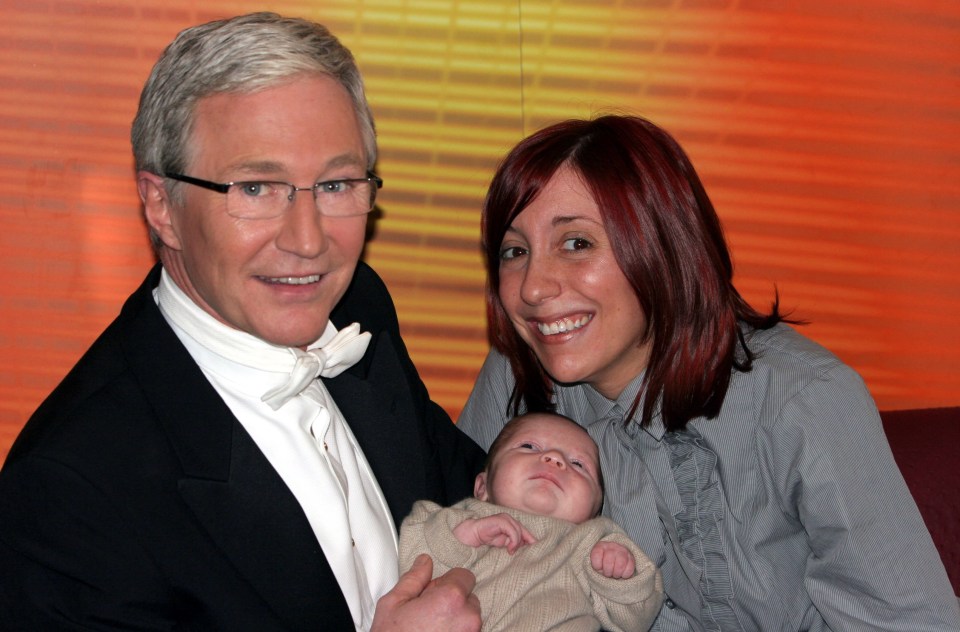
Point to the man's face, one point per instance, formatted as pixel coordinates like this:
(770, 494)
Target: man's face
(548, 466)
(277, 279)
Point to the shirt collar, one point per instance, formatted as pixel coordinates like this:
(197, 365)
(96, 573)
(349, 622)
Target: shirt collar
(604, 407)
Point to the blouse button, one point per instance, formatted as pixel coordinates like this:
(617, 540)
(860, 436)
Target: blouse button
(669, 603)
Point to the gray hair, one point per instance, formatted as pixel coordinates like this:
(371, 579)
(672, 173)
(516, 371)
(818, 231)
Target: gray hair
(244, 54)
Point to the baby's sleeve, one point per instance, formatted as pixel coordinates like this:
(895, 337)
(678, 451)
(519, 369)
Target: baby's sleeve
(629, 604)
(429, 529)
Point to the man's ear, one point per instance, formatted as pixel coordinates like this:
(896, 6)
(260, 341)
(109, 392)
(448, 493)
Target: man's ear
(157, 208)
(480, 487)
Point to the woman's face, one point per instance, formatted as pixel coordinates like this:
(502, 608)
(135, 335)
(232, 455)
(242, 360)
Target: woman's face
(565, 294)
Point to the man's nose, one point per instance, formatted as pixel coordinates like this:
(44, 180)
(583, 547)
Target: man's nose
(302, 232)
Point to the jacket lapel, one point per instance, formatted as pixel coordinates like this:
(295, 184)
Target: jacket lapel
(234, 492)
(375, 400)
(259, 525)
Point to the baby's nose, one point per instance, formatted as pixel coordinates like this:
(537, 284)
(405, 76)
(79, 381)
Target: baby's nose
(554, 459)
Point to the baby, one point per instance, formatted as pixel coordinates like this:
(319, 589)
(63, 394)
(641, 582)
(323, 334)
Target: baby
(532, 535)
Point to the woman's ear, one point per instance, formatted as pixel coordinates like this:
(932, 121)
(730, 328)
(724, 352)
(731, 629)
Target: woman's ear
(480, 487)
(157, 208)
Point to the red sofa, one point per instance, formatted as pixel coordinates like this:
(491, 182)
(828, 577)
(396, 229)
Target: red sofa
(926, 446)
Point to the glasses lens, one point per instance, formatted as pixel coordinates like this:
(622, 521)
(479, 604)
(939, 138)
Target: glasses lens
(341, 198)
(258, 200)
(334, 198)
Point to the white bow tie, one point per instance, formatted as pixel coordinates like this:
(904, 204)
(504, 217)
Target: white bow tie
(330, 360)
(336, 356)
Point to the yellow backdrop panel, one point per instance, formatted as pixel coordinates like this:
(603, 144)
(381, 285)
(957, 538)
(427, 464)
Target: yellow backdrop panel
(827, 134)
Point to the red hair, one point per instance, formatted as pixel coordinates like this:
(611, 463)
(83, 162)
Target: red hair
(669, 244)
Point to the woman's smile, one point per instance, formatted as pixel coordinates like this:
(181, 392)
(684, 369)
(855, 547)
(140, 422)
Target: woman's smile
(562, 325)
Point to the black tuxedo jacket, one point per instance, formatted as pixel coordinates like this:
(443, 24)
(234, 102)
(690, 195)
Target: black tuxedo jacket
(133, 499)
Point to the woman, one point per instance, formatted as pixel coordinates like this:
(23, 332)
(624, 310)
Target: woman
(746, 460)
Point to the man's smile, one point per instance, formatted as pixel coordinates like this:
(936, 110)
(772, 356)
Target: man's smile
(304, 280)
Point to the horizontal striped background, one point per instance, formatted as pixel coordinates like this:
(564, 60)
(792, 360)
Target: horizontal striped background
(827, 133)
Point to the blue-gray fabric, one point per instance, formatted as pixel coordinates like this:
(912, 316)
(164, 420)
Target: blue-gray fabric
(786, 512)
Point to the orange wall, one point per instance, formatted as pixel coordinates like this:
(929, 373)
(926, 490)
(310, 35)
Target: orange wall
(827, 133)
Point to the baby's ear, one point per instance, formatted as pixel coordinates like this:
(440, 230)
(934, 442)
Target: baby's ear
(480, 486)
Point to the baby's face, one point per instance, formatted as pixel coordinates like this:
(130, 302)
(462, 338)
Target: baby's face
(550, 467)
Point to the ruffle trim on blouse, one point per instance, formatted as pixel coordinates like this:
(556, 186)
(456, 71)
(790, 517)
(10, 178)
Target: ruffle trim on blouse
(694, 471)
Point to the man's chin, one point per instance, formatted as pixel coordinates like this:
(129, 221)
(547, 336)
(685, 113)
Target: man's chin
(300, 338)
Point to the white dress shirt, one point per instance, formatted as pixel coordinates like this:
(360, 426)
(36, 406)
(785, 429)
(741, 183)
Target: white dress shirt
(307, 441)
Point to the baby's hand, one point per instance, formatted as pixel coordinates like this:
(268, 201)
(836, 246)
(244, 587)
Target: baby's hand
(500, 530)
(612, 559)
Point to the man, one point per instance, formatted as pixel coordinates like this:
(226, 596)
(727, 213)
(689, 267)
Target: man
(191, 472)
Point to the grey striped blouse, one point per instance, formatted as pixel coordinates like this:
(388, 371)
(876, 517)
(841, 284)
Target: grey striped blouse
(786, 512)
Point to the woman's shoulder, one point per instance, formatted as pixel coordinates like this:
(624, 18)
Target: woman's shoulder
(487, 409)
(791, 370)
(785, 357)
(783, 345)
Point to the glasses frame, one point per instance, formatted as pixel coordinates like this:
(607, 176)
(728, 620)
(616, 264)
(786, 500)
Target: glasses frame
(224, 188)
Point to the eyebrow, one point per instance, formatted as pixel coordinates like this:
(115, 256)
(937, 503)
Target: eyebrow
(567, 219)
(561, 220)
(261, 167)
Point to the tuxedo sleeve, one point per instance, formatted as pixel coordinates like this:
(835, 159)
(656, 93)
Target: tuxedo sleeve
(71, 562)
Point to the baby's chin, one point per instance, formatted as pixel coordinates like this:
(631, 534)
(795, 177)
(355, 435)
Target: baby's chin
(553, 507)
